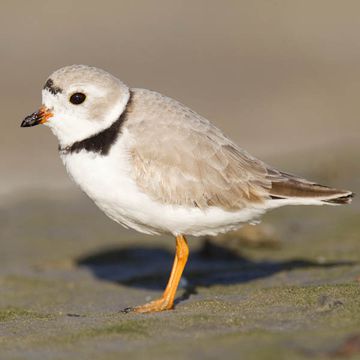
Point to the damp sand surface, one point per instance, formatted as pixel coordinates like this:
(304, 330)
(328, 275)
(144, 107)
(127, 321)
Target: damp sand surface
(289, 289)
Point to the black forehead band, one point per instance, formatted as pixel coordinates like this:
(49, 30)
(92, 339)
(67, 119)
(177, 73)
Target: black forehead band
(49, 85)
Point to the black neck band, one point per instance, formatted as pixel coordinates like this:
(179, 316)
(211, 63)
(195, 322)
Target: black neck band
(101, 142)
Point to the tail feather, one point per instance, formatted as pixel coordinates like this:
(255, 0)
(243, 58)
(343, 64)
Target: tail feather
(287, 186)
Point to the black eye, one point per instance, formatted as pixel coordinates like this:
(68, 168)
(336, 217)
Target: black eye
(77, 98)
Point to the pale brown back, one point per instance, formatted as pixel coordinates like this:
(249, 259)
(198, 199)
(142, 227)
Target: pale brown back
(180, 158)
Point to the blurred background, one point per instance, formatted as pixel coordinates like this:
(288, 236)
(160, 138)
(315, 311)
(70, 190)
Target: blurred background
(282, 79)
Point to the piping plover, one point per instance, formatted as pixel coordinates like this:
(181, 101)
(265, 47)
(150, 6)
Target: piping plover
(154, 165)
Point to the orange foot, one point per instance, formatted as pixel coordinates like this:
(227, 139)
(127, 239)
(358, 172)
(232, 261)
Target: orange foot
(166, 302)
(161, 304)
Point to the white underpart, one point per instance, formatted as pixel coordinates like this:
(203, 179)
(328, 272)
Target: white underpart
(272, 204)
(107, 180)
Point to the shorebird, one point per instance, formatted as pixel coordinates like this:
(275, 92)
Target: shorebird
(156, 166)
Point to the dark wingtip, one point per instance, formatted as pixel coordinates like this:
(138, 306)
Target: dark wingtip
(342, 199)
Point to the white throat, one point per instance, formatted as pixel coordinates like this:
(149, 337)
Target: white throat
(70, 129)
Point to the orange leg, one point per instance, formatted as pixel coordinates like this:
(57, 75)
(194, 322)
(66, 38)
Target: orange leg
(166, 302)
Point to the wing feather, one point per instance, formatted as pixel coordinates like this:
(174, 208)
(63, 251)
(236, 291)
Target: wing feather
(180, 158)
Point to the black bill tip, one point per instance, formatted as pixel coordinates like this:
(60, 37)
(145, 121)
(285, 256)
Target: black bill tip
(38, 117)
(32, 120)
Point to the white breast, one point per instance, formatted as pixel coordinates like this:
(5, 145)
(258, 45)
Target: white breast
(107, 180)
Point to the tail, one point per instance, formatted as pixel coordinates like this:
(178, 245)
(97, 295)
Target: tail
(300, 191)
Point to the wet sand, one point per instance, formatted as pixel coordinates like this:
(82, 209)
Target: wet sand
(66, 272)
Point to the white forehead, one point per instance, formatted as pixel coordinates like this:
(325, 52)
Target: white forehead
(70, 77)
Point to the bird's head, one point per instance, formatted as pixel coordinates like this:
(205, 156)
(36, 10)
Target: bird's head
(79, 101)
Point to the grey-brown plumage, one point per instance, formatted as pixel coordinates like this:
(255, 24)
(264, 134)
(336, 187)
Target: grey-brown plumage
(289, 186)
(180, 158)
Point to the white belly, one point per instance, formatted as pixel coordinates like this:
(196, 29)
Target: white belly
(107, 180)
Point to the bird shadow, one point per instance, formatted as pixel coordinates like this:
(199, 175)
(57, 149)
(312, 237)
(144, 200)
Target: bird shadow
(213, 264)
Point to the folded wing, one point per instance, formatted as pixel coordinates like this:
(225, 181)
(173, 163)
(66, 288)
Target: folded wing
(180, 158)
